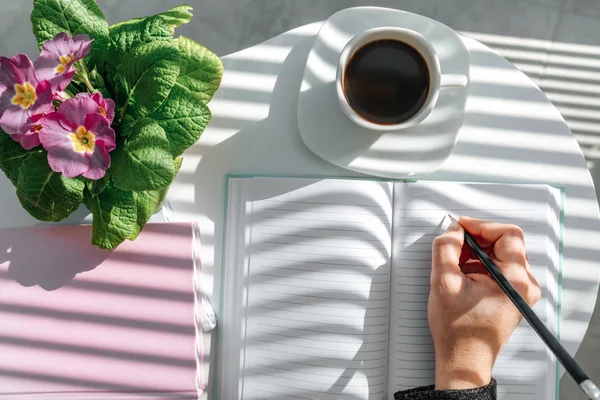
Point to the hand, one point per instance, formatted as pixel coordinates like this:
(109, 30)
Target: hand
(470, 317)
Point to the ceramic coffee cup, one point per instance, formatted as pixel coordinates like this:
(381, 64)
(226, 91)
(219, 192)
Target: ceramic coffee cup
(437, 80)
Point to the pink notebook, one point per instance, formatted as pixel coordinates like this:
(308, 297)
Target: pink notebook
(77, 322)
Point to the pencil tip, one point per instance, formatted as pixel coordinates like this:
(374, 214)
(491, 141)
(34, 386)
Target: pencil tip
(452, 218)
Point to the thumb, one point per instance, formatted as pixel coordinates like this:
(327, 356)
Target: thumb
(446, 252)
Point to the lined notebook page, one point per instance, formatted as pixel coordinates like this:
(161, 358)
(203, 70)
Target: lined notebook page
(317, 289)
(525, 370)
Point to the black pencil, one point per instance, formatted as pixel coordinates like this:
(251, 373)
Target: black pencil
(571, 366)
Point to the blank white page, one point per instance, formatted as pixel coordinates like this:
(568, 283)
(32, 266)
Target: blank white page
(525, 369)
(316, 313)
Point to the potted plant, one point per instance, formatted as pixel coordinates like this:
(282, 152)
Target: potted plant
(103, 115)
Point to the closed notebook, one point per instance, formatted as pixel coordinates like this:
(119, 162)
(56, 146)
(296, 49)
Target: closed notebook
(77, 322)
(326, 284)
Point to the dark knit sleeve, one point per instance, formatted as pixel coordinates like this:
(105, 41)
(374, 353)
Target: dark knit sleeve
(487, 392)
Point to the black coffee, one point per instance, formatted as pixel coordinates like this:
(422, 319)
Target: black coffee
(386, 81)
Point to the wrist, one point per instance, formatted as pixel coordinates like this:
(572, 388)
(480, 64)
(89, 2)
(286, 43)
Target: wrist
(466, 367)
(461, 379)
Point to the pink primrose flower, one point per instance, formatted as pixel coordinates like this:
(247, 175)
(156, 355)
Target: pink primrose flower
(23, 99)
(58, 55)
(78, 138)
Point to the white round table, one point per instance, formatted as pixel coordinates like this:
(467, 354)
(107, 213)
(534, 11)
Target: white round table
(512, 133)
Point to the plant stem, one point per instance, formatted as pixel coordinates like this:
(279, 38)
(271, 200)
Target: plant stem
(88, 85)
(84, 75)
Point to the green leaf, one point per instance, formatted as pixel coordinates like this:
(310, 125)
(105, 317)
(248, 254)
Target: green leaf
(45, 194)
(96, 79)
(145, 77)
(178, 162)
(98, 186)
(201, 69)
(128, 124)
(105, 93)
(175, 17)
(143, 161)
(147, 204)
(50, 17)
(126, 35)
(34, 211)
(115, 215)
(12, 155)
(184, 117)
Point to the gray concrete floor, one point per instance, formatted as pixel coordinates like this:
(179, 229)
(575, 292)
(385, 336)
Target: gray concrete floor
(556, 42)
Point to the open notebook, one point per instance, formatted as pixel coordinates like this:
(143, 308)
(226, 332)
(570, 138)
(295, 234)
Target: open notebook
(326, 284)
(81, 323)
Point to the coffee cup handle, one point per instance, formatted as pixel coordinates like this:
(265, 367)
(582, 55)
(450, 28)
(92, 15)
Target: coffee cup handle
(452, 81)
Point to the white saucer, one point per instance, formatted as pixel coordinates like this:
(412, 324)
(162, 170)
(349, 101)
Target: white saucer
(411, 152)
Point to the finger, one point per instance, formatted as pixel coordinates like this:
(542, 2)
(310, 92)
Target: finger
(473, 267)
(534, 293)
(474, 227)
(508, 240)
(510, 248)
(467, 253)
(487, 231)
(446, 252)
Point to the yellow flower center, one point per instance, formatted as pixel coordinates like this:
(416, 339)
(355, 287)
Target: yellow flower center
(25, 96)
(64, 60)
(102, 111)
(83, 140)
